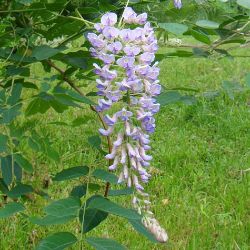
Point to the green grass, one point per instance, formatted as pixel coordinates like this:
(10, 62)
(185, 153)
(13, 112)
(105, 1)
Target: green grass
(202, 153)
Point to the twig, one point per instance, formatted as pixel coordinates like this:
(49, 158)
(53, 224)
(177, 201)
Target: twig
(71, 83)
(21, 10)
(88, 23)
(220, 42)
(65, 78)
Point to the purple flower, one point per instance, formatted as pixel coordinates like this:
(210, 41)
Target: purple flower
(124, 114)
(149, 104)
(147, 28)
(127, 35)
(155, 89)
(136, 85)
(106, 132)
(126, 62)
(105, 73)
(101, 85)
(152, 48)
(141, 19)
(110, 121)
(139, 34)
(114, 96)
(110, 32)
(107, 58)
(127, 74)
(146, 58)
(177, 4)
(123, 85)
(115, 47)
(132, 50)
(99, 27)
(112, 155)
(103, 105)
(151, 73)
(109, 19)
(94, 52)
(129, 16)
(119, 140)
(95, 40)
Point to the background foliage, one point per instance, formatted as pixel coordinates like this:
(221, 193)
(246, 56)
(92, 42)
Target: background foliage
(46, 68)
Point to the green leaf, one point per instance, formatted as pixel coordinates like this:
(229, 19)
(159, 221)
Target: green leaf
(13, 70)
(15, 94)
(79, 191)
(2, 97)
(94, 187)
(210, 95)
(231, 88)
(73, 95)
(11, 209)
(80, 121)
(200, 36)
(66, 101)
(19, 190)
(104, 244)
(244, 3)
(18, 172)
(169, 97)
(58, 105)
(139, 227)
(88, 10)
(33, 144)
(188, 99)
(175, 28)
(3, 186)
(6, 167)
(105, 176)
(23, 163)
(95, 141)
(76, 60)
(3, 143)
(67, 207)
(199, 52)
(44, 145)
(44, 52)
(92, 218)
(125, 191)
(29, 85)
(57, 241)
(71, 173)
(9, 114)
(103, 204)
(51, 220)
(38, 105)
(207, 24)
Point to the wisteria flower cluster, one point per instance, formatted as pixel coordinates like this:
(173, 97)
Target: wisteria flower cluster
(127, 85)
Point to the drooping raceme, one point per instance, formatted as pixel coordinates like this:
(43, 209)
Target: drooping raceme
(127, 85)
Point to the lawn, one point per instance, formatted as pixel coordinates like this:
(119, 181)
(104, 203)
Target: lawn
(201, 165)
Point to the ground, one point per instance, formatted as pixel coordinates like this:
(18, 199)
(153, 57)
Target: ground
(201, 158)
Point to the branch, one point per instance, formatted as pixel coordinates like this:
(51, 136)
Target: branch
(71, 83)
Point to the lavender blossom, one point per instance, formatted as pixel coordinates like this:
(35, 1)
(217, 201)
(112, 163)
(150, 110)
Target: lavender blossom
(127, 72)
(109, 19)
(177, 4)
